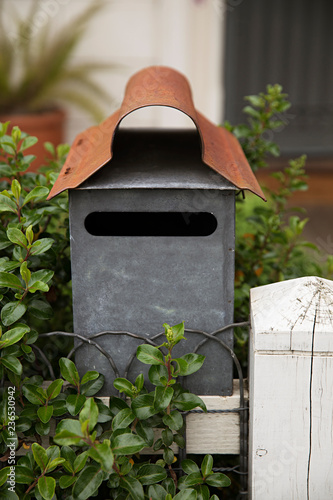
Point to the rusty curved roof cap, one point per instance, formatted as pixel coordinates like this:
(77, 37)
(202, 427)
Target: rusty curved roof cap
(156, 86)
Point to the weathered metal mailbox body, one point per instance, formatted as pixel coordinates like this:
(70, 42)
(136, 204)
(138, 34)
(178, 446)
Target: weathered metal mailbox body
(152, 241)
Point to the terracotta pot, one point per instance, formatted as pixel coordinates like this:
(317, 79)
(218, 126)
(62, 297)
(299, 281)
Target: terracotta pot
(45, 125)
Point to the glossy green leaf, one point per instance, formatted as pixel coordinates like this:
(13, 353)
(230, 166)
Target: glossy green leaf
(54, 463)
(104, 412)
(187, 401)
(9, 280)
(29, 234)
(202, 492)
(169, 486)
(68, 371)
(218, 480)
(89, 412)
(69, 433)
(53, 452)
(37, 194)
(149, 355)
(133, 486)
(168, 455)
(178, 439)
(139, 381)
(123, 419)
(167, 437)
(16, 189)
(158, 444)
(178, 332)
(193, 479)
(145, 431)
(12, 312)
(7, 205)
(45, 413)
(4, 474)
(193, 363)
(88, 482)
(44, 275)
(8, 265)
(34, 394)
(207, 465)
(46, 486)
(16, 236)
(143, 406)
(80, 462)
(25, 272)
(69, 454)
(27, 349)
(151, 474)
(117, 404)
(23, 424)
(59, 407)
(39, 286)
(66, 481)
(102, 453)
(43, 429)
(156, 492)
(189, 466)
(187, 494)
(41, 309)
(24, 475)
(40, 456)
(91, 387)
(174, 420)
(162, 398)
(41, 246)
(74, 403)
(54, 388)
(127, 444)
(88, 376)
(12, 363)
(124, 385)
(13, 335)
(158, 375)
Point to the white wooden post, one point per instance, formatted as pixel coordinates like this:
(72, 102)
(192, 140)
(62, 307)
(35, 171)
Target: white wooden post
(291, 391)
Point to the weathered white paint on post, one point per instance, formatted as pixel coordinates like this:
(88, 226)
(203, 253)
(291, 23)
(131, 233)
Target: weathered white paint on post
(291, 391)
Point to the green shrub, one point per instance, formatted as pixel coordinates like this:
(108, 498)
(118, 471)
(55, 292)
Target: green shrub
(96, 446)
(269, 236)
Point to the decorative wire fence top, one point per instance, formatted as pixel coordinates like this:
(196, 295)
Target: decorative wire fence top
(242, 410)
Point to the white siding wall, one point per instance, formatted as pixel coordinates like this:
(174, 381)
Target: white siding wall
(184, 34)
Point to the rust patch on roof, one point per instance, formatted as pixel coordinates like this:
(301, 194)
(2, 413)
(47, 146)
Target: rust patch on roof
(156, 86)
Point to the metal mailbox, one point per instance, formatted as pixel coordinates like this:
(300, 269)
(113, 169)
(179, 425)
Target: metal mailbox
(152, 231)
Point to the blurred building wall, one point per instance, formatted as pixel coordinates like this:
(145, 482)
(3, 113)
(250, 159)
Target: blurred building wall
(184, 34)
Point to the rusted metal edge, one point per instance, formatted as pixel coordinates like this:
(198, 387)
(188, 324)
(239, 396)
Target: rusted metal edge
(156, 86)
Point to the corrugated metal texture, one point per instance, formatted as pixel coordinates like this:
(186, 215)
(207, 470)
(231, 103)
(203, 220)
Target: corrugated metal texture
(288, 42)
(156, 86)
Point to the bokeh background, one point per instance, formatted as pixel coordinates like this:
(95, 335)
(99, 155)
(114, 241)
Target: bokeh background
(227, 49)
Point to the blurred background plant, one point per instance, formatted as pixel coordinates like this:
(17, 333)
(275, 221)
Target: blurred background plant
(36, 68)
(34, 246)
(270, 245)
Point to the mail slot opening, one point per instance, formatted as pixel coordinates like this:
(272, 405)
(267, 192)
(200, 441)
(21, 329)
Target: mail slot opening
(150, 223)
